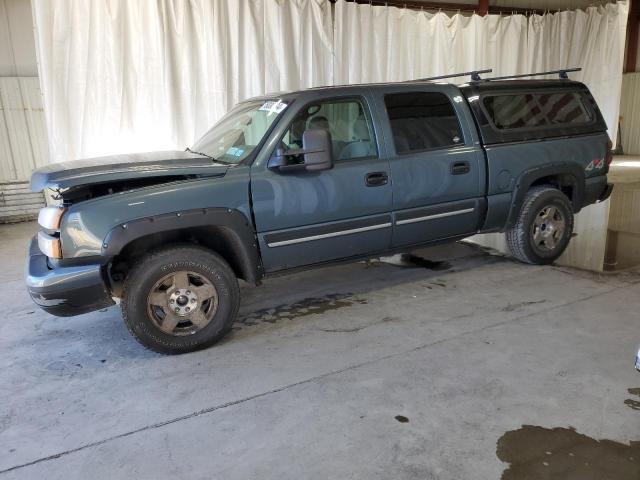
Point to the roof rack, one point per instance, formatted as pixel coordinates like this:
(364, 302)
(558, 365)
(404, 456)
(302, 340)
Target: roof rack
(475, 76)
(561, 73)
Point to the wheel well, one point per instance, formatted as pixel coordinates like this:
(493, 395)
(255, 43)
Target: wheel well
(565, 183)
(221, 240)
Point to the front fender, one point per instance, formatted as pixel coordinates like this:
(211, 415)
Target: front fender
(229, 222)
(86, 224)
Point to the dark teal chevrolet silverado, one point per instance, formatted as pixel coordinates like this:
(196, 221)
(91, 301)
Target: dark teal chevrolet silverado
(301, 179)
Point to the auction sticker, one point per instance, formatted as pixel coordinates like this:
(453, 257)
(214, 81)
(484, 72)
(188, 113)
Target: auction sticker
(272, 107)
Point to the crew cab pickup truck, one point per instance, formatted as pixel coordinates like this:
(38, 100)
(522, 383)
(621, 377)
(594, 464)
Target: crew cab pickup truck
(301, 179)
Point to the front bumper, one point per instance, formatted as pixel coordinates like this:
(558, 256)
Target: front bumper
(65, 291)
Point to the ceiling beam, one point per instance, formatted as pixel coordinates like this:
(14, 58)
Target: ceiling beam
(450, 7)
(633, 27)
(483, 7)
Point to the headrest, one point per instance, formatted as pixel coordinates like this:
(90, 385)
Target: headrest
(318, 122)
(360, 129)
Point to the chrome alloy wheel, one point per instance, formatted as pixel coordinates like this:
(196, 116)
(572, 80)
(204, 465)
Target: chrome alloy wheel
(182, 303)
(548, 228)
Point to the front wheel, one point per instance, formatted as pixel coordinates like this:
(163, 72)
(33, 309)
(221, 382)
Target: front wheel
(180, 299)
(543, 227)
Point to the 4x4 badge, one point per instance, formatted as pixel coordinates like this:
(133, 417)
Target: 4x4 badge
(597, 163)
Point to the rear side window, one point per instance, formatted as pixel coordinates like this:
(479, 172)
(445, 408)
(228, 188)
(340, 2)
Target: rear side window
(422, 121)
(562, 108)
(530, 110)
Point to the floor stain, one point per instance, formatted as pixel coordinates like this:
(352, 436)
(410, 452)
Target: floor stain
(539, 453)
(631, 403)
(308, 306)
(357, 328)
(515, 306)
(409, 260)
(343, 330)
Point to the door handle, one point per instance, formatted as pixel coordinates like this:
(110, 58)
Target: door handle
(460, 168)
(376, 179)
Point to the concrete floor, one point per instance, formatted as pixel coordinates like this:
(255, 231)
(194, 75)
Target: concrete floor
(310, 381)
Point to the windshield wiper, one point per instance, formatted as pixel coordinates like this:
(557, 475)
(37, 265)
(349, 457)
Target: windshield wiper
(207, 155)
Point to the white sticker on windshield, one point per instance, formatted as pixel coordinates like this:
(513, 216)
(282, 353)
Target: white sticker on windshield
(273, 107)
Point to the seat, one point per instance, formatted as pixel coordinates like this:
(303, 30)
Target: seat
(360, 146)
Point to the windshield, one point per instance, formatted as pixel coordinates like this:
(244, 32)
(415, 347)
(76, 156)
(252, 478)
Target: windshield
(234, 137)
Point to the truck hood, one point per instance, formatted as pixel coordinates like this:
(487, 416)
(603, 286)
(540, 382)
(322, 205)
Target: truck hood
(133, 166)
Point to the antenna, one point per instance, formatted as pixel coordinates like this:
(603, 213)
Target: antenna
(475, 76)
(561, 73)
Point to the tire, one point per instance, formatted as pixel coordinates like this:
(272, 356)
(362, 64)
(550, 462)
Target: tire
(543, 227)
(192, 281)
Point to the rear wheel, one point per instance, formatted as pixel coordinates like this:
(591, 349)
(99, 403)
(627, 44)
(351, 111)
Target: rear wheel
(180, 299)
(543, 228)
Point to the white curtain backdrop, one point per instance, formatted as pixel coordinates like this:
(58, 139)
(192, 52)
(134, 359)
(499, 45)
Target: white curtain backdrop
(135, 75)
(381, 44)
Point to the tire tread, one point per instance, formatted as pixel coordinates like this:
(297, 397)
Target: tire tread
(517, 235)
(174, 252)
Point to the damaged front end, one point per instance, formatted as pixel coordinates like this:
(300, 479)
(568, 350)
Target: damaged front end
(66, 273)
(65, 291)
(81, 180)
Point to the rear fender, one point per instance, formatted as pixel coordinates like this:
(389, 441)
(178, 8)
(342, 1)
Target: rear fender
(571, 173)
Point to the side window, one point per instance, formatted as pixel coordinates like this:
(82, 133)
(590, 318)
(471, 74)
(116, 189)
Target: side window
(563, 108)
(536, 110)
(347, 122)
(514, 111)
(422, 121)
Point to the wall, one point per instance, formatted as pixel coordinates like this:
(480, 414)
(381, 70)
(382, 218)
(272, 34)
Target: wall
(23, 138)
(17, 44)
(630, 113)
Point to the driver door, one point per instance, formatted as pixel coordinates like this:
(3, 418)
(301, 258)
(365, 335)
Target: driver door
(308, 217)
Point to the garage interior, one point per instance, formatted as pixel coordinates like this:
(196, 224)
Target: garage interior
(448, 362)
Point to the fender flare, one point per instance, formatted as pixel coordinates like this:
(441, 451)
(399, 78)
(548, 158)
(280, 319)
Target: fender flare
(573, 172)
(234, 223)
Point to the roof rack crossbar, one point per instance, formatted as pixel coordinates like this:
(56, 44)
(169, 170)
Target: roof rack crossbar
(475, 76)
(561, 73)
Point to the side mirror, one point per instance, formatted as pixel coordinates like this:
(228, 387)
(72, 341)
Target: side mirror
(317, 149)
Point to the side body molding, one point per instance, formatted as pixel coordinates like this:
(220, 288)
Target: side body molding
(230, 223)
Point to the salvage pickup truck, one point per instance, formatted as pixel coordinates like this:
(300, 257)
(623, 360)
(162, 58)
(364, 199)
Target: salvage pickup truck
(302, 179)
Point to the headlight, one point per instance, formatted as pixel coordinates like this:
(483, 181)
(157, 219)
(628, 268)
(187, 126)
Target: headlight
(49, 245)
(49, 217)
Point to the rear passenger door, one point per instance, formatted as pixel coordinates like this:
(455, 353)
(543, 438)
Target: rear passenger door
(436, 162)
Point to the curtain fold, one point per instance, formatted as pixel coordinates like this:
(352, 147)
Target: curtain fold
(130, 75)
